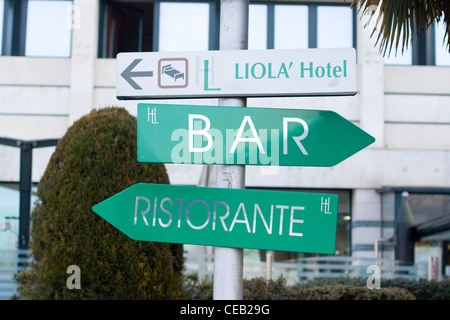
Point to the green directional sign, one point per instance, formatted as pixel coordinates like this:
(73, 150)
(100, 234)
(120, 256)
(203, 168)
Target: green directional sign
(270, 220)
(245, 136)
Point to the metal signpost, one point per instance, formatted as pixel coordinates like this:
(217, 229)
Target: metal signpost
(245, 136)
(236, 73)
(255, 219)
(231, 136)
(229, 262)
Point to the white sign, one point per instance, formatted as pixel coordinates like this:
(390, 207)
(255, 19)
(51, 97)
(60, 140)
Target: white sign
(239, 73)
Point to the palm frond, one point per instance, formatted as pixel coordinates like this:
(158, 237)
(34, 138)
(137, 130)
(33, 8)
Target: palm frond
(399, 21)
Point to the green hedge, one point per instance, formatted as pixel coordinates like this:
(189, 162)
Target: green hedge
(422, 289)
(262, 289)
(327, 289)
(96, 159)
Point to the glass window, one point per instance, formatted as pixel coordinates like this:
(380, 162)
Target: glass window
(125, 27)
(257, 26)
(334, 27)
(49, 28)
(426, 207)
(399, 57)
(2, 5)
(183, 26)
(441, 48)
(9, 214)
(291, 27)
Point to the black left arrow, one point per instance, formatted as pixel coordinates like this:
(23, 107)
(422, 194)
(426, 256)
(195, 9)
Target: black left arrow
(128, 74)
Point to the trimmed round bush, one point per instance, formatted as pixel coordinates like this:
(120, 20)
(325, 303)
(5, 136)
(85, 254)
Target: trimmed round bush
(96, 159)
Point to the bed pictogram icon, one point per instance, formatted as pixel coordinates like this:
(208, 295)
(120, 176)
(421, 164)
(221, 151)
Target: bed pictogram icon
(173, 73)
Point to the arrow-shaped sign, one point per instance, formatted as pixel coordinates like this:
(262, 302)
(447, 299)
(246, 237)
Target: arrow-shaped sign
(256, 219)
(246, 136)
(128, 74)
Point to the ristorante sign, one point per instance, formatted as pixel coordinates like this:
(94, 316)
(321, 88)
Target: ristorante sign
(270, 220)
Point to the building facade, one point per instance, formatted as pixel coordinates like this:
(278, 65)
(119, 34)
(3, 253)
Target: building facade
(58, 63)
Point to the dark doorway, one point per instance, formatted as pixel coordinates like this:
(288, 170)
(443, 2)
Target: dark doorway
(125, 28)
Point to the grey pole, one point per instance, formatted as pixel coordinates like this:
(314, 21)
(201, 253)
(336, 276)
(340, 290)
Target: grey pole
(228, 262)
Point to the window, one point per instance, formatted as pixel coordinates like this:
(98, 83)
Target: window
(334, 27)
(257, 27)
(36, 27)
(183, 26)
(2, 5)
(427, 207)
(298, 26)
(441, 48)
(429, 48)
(399, 58)
(125, 27)
(412, 217)
(291, 27)
(48, 30)
(134, 26)
(137, 26)
(194, 25)
(9, 214)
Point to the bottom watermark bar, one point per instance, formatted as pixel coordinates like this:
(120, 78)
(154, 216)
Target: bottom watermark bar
(227, 309)
(219, 309)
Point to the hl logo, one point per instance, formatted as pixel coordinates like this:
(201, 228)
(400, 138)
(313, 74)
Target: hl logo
(152, 116)
(325, 205)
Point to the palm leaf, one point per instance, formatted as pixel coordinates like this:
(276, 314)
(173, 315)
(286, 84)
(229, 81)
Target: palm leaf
(399, 21)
